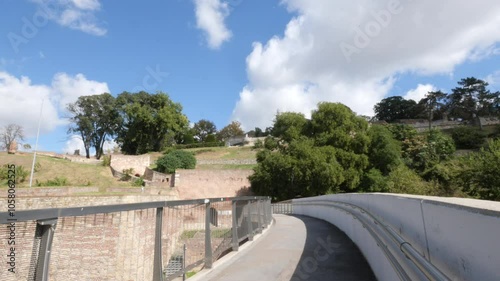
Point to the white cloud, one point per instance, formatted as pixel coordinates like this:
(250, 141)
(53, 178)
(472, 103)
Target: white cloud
(210, 16)
(73, 143)
(75, 14)
(419, 93)
(311, 62)
(21, 100)
(66, 89)
(494, 78)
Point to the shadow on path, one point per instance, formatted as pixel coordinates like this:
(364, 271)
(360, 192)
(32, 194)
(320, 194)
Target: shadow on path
(296, 248)
(329, 254)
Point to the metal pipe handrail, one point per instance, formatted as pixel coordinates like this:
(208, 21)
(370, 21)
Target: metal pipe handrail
(426, 268)
(39, 214)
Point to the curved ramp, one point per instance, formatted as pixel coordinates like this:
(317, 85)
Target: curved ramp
(296, 248)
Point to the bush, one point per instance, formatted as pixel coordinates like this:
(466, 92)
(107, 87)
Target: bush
(21, 173)
(138, 182)
(199, 145)
(210, 139)
(467, 137)
(374, 181)
(178, 159)
(106, 160)
(258, 144)
(405, 181)
(57, 181)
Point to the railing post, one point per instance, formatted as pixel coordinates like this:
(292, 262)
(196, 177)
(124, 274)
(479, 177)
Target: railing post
(249, 220)
(208, 240)
(46, 230)
(158, 262)
(234, 215)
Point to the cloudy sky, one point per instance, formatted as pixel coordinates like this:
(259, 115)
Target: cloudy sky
(239, 60)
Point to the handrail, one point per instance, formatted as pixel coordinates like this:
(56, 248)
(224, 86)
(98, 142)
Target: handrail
(39, 214)
(249, 215)
(426, 268)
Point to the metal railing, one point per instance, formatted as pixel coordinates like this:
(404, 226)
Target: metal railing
(391, 243)
(143, 241)
(285, 207)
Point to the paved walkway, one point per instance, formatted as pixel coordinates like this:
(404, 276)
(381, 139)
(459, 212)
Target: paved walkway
(297, 248)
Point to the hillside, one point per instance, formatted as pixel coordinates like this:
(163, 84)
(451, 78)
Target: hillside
(76, 174)
(82, 174)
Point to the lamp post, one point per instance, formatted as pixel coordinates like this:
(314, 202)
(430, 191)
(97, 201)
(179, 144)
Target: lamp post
(36, 144)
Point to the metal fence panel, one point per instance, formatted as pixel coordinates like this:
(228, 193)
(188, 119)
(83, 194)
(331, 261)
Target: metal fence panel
(130, 241)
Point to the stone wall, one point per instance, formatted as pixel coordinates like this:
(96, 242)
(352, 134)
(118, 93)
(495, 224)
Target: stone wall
(136, 162)
(193, 184)
(488, 121)
(158, 177)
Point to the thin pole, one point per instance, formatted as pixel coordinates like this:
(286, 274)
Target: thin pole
(36, 144)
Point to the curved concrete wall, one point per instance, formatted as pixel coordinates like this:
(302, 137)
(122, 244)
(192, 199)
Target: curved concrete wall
(458, 236)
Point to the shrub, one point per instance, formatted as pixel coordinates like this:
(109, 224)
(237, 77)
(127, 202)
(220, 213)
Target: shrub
(467, 137)
(106, 160)
(21, 173)
(210, 139)
(127, 174)
(57, 181)
(200, 144)
(258, 144)
(374, 181)
(138, 182)
(178, 159)
(403, 180)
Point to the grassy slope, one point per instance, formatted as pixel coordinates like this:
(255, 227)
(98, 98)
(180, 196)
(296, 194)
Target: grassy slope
(78, 174)
(218, 153)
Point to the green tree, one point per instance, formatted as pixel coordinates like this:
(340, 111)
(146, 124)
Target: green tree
(176, 159)
(480, 177)
(324, 155)
(472, 99)
(394, 108)
(96, 119)
(289, 126)
(384, 152)
(434, 102)
(231, 130)
(151, 122)
(203, 128)
(423, 152)
(467, 137)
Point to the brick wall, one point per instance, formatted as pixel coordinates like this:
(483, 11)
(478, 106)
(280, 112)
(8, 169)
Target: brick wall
(138, 163)
(193, 184)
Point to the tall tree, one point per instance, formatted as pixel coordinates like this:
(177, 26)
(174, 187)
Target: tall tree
(203, 128)
(151, 122)
(472, 100)
(96, 119)
(231, 130)
(9, 134)
(434, 102)
(289, 126)
(393, 108)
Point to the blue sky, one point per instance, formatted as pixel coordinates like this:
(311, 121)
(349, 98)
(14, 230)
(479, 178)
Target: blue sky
(236, 59)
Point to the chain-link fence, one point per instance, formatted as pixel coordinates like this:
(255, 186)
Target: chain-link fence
(146, 241)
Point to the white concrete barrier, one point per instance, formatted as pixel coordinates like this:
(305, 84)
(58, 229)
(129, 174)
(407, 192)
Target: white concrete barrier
(458, 236)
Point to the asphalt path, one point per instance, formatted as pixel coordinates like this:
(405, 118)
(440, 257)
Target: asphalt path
(296, 248)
